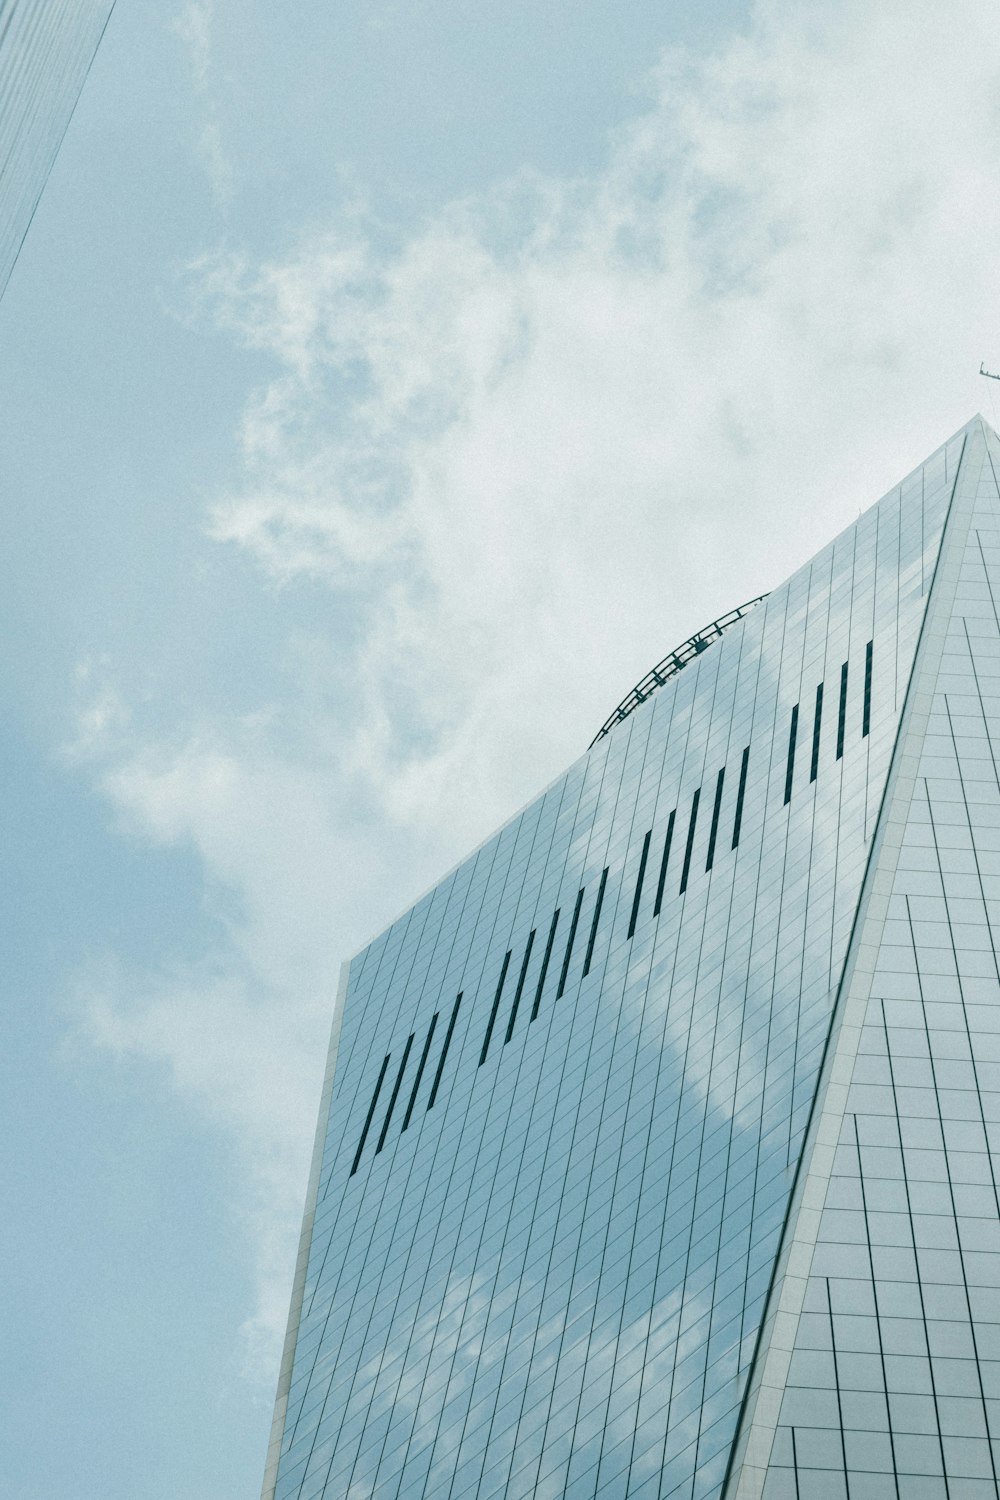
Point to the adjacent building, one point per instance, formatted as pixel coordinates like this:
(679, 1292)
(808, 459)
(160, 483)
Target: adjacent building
(657, 1155)
(46, 49)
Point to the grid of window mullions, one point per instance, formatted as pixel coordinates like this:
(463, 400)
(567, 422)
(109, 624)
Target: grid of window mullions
(459, 996)
(688, 847)
(708, 1243)
(916, 1293)
(489, 856)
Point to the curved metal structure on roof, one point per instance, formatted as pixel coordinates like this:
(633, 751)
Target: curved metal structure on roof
(672, 664)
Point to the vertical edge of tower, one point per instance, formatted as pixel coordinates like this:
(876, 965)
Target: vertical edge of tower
(305, 1245)
(755, 1435)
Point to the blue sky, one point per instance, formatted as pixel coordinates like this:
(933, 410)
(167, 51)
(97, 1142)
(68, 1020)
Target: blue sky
(383, 393)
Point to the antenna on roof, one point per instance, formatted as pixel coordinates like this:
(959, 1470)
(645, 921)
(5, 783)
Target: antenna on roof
(988, 373)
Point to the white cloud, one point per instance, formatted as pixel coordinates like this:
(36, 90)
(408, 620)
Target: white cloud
(519, 435)
(102, 717)
(193, 25)
(241, 1055)
(531, 448)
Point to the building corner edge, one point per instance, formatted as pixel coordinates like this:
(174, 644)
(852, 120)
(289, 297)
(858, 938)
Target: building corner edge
(751, 1451)
(305, 1245)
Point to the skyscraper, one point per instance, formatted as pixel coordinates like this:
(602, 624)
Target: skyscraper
(657, 1152)
(46, 49)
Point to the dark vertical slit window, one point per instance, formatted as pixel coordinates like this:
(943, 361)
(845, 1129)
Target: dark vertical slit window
(638, 883)
(569, 944)
(395, 1094)
(593, 925)
(795, 1462)
(520, 987)
(866, 717)
(738, 820)
(371, 1113)
(686, 867)
(789, 770)
(663, 863)
(444, 1052)
(545, 965)
(420, 1071)
(817, 721)
(714, 830)
(496, 1007)
(842, 712)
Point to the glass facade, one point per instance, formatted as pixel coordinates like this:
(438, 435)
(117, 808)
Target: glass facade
(578, 1132)
(46, 49)
(893, 1388)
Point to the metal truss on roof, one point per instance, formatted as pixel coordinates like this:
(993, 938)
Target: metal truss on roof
(672, 664)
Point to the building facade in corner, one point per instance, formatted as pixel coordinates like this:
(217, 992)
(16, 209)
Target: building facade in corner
(46, 49)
